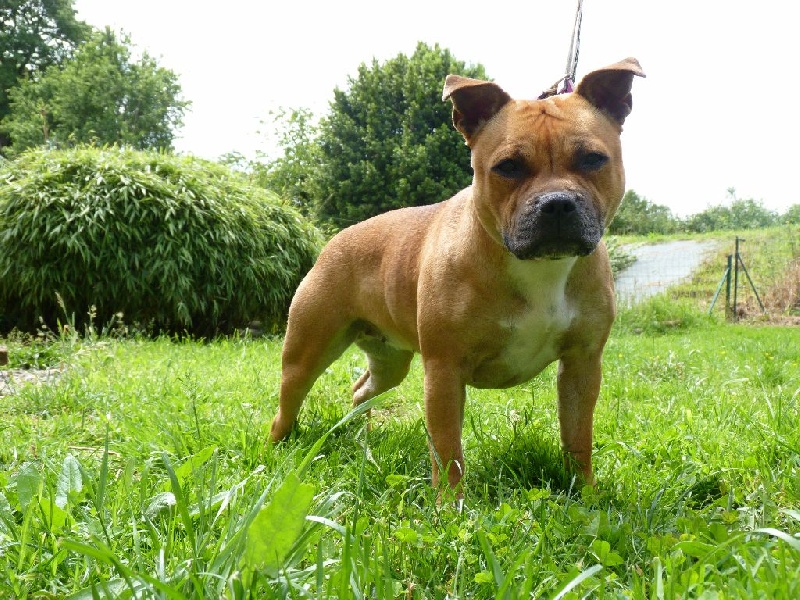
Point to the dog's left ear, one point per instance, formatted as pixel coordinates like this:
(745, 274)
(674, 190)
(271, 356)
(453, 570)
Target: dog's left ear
(609, 88)
(474, 102)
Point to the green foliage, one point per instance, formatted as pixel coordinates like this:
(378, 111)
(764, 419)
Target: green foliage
(100, 96)
(26, 351)
(658, 315)
(178, 244)
(275, 535)
(739, 214)
(388, 141)
(792, 215)
(276, 528)
(34, 34)
(638, 216)
(293, 175)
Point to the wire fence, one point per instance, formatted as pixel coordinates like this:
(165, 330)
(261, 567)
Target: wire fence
(771, 283)
(763, 277)
(659, 267)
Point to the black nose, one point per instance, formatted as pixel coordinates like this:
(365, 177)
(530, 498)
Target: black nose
(554, 224)
(558, 204)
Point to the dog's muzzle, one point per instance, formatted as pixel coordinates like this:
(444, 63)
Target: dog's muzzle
(554, 225)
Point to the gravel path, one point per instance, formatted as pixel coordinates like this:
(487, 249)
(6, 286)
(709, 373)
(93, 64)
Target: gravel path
(12, 379)
(659, 266)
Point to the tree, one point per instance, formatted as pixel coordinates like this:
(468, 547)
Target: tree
(100, 96)
(34, 34)
(293, 175)
(637, 215)
(792, 215)
(740, 214)
(388, 141)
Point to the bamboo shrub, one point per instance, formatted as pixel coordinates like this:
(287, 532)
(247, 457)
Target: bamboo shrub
(175, 244)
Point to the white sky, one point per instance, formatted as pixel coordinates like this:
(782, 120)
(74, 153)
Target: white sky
(719, 107)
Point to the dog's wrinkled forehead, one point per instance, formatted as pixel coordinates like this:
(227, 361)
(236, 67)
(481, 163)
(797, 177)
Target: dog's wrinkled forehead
(565, 112)
(527, 125)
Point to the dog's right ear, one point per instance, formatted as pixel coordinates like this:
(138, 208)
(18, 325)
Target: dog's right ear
(474, 102)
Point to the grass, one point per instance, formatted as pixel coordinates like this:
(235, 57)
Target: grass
(142, 472)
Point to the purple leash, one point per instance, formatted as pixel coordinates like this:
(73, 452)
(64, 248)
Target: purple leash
(566, 84)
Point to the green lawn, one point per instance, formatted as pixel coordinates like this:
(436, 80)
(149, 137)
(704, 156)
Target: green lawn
(143, 472)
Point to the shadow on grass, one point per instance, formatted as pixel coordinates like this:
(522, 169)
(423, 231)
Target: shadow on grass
(500, 462)
(513, 459)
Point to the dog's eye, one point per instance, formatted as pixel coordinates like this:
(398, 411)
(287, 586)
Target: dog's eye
(510, 168)
(591, 161)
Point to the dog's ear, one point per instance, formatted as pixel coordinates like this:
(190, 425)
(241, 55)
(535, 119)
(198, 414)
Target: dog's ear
(474, 102)
(609, 88)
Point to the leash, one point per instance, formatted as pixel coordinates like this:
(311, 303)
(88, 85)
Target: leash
(566, 83)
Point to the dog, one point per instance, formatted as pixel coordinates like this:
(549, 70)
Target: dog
(490, 286)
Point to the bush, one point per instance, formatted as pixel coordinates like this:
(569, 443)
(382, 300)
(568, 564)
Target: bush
(176, 244)
(740, 214)
(638, 216)
(792, 215)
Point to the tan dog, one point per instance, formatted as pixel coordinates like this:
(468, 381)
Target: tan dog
(489, 286)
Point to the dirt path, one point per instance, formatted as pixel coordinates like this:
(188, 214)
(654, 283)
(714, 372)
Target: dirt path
(659, 266)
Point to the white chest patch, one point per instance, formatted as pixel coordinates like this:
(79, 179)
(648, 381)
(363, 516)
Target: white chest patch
(533, 332)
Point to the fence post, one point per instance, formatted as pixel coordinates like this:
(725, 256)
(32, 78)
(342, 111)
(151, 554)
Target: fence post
(728, 313)
(726, 279)
(736, 260)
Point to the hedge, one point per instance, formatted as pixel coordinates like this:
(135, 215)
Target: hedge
(175, 244)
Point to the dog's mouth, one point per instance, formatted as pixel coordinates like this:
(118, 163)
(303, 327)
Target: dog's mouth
(556, 225)
(550, 249)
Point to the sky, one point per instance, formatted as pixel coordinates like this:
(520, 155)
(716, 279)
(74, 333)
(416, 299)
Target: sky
(719, 108)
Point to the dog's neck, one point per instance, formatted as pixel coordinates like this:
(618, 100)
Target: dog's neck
(532, 276)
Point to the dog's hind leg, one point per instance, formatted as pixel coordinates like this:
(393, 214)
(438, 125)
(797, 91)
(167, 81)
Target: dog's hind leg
(315, 337)
(387, 367)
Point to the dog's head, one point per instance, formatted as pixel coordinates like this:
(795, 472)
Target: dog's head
(548, 174)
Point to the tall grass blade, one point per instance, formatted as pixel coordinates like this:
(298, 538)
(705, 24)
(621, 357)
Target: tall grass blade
(356, 412)
(180, 502)
(576, 581)
(781, 535)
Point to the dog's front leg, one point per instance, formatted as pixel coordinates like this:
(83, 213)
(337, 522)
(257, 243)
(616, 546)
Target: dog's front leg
(579, 379)
(444, 416)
